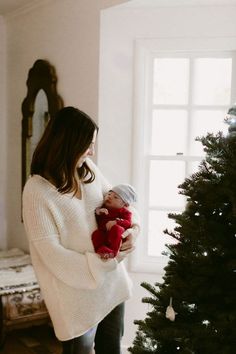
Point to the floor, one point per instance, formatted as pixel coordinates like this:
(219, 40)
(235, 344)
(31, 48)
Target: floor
(34, 340)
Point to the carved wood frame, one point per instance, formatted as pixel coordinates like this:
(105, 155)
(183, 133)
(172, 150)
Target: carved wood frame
(41, 76)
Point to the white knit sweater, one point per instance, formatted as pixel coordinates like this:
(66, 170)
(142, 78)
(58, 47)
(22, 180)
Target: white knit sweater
(79, 288)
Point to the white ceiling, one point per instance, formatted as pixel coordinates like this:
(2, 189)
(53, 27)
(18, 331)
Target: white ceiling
(7, 6)
(158, 3)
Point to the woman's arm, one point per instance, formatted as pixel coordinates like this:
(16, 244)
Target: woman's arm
(83, 271)
(78, 270)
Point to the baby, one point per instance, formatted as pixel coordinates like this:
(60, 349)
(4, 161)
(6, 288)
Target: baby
(113, 218)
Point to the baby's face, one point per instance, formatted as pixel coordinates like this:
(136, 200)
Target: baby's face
(112, 200)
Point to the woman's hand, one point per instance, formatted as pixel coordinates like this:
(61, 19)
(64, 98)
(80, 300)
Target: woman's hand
(128, 245)
(129, 238)
(122, 254)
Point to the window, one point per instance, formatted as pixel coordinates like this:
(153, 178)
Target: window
(179, 95)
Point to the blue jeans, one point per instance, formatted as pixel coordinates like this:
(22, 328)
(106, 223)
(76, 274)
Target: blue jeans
(105, 337)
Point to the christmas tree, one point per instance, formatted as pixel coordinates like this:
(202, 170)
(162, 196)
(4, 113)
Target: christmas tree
(193, 311)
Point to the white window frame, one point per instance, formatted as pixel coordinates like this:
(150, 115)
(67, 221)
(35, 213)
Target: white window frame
(144, 51)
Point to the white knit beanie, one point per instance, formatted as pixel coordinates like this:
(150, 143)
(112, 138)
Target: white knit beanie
(126, 192)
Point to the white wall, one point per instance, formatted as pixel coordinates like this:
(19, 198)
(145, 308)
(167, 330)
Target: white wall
(65, 32)
(120, 27)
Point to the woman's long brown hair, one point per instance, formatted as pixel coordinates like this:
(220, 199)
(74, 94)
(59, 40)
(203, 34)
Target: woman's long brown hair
(65, 139)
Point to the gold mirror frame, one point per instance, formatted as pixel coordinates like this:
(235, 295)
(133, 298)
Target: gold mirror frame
(42, 76)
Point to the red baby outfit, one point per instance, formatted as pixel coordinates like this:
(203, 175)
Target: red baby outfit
(108, 242)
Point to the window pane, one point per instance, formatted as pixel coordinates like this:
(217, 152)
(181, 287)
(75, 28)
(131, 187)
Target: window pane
(170, 80)
(203, 122)
(158, 222)
(212, 81)
(165, 176)
(169, 132)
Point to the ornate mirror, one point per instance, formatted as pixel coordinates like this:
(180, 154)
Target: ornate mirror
(41, 104)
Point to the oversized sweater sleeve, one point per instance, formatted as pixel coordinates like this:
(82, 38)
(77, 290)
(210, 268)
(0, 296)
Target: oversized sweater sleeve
(78, 270)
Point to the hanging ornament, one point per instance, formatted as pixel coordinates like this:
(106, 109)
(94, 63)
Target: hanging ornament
(170, 312)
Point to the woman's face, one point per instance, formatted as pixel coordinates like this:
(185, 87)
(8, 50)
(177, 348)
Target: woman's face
(88, 152)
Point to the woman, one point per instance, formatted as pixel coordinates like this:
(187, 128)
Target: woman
(84, 294)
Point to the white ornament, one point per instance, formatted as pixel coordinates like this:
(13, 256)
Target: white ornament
(170, 312)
